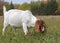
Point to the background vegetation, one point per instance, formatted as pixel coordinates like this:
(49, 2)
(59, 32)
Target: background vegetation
(51, 7)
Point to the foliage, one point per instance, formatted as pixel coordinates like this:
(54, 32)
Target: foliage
(7, 5)
(58, 10)
(45, 8)
(52, 7)
(11, 6)
(37, 8)
(16, 6)
(24, 6)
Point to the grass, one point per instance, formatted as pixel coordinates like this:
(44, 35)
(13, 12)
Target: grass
(52, 35)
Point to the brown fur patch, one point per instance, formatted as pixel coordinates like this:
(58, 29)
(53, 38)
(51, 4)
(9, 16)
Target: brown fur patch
(39, 25)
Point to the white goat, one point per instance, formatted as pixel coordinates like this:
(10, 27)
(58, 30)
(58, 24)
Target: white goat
(17, 18)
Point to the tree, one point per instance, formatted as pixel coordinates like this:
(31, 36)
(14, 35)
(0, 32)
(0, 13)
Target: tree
(11, 5)
(49, 8)
(44, 8)
(24, 6)
(7, 5)
(1, 6)
(35, 7)
(52, 7)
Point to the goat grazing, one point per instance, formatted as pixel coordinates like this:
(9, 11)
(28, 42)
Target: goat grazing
(17, 18)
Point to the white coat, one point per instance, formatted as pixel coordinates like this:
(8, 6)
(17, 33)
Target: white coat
(17, 18)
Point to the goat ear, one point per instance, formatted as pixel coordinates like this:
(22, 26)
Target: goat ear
(37, 26)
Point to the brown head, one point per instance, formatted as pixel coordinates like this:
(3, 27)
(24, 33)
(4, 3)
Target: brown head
(39, 26)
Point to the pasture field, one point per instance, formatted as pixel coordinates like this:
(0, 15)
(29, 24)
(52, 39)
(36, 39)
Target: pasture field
(52, 34)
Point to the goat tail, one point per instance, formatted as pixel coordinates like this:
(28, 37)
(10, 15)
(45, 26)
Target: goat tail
(4, 10)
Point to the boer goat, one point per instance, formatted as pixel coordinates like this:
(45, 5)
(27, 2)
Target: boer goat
(17, 18)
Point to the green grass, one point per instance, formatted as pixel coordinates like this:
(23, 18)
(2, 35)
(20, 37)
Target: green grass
(52, 35)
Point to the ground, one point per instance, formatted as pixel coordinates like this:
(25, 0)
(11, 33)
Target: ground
(52, 34)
